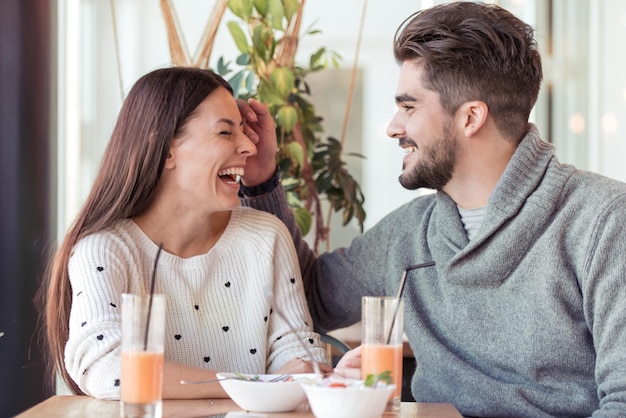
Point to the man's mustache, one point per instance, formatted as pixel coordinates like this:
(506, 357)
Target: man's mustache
(405, 141)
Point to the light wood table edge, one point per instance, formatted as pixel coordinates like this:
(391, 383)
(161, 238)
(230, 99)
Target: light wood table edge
(61, 406)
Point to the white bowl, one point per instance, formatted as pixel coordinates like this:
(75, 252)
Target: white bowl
(352, 401)
(263, 395)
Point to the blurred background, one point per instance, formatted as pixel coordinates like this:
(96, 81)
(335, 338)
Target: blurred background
(65, 66)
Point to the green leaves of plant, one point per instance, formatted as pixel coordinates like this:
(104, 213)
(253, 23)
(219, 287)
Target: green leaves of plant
(283, 80)
(322, 58)
(268, 94)
(314, 61)
(260, 6)
(238, 36)
(290, 7)
(303, 219)
(275, 14)
(272, 10)
(287, 118)
(262, 43)
(241, 8)
(295, 151)
(333, 179)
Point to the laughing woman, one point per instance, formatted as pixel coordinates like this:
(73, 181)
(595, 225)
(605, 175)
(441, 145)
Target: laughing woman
(170, 175)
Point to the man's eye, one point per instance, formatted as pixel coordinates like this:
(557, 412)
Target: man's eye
(226, 133)
(407, 107)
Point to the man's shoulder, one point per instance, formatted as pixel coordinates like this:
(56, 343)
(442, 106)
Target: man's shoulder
(418, 206)
(425, 200)
(592, 185)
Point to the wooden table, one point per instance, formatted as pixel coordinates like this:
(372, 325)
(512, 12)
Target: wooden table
(87, 407)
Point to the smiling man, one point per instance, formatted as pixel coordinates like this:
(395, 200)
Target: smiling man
(523, 314)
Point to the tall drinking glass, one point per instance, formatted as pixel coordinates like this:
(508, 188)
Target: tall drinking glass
(382, 332)
(143, 328)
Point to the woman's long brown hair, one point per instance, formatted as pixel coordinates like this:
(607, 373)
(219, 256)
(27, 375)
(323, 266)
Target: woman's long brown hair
(154, 113)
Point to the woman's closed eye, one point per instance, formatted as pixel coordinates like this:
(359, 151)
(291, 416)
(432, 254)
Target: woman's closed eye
(227, 127)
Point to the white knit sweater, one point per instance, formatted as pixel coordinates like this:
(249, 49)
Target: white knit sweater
(216, 316)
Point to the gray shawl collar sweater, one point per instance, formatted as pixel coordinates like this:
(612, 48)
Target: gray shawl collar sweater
(526, 320)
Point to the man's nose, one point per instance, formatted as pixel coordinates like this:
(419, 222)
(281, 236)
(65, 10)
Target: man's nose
(395, 129)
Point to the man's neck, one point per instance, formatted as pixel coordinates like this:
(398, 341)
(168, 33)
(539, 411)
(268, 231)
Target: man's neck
(477, 173)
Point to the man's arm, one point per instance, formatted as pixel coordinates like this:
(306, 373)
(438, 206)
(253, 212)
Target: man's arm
(604, 293)
(334, 282)
(270, 197)
(261, 188)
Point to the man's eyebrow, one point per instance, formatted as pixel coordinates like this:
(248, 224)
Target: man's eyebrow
(403, 98)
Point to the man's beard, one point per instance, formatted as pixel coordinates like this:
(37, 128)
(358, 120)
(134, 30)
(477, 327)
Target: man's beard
(434, 168)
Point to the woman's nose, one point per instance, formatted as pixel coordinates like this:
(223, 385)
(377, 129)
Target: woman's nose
(246, 146)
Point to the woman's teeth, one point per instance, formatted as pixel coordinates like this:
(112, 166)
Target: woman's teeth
(232, 174)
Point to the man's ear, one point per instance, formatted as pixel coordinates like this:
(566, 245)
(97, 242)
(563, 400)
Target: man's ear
(474, 116)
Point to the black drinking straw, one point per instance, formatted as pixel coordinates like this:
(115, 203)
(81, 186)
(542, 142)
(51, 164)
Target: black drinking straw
(156, 261)
(402, 280)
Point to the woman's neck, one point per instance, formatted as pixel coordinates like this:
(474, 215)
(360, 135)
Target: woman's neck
(184, 236)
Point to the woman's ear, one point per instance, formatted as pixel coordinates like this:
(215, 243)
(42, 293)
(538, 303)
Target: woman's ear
(474, 115)
(170, 162)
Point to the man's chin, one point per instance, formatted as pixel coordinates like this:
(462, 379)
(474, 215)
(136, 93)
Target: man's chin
(408, 184)
(414, 184)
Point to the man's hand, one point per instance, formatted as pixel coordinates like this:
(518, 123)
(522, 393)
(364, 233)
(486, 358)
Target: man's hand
(350, 364)
(259, 127)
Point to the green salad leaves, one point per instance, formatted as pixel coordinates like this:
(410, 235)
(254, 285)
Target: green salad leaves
(372, 379)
